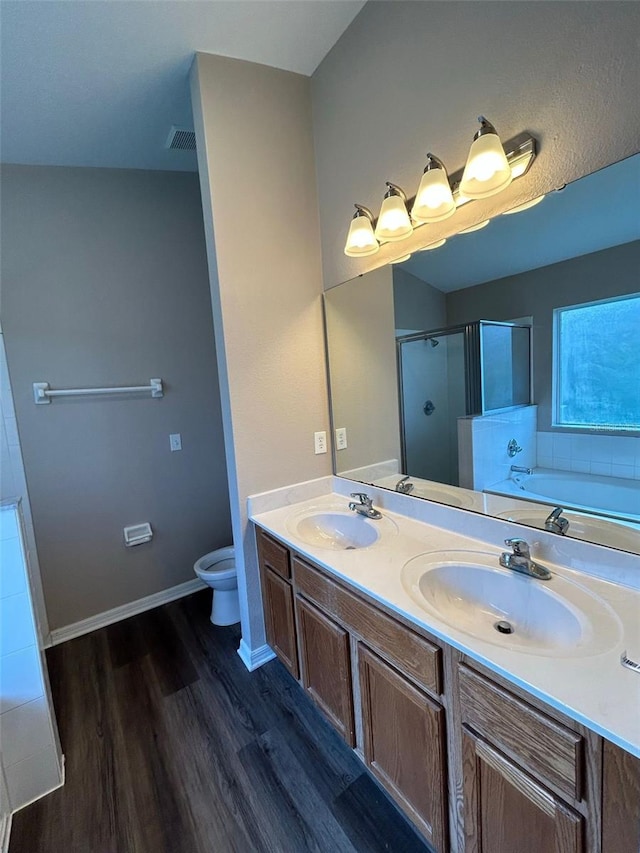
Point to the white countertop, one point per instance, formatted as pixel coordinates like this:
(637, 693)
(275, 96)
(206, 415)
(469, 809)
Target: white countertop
(595, 689)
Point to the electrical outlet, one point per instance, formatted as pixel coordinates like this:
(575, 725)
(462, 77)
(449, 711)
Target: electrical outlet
(175, 441)
(341, 438)
(320, 442)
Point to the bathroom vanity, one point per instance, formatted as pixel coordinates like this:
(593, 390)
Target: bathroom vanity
(486, 745)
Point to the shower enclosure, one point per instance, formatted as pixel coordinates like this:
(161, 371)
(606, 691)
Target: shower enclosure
(447, 374)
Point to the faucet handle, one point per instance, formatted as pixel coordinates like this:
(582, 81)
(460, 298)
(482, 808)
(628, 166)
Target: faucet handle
(363, 497)
(520, 546)
(555, 522)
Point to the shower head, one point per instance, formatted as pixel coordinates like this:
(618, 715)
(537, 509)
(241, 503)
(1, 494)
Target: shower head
(433, 341)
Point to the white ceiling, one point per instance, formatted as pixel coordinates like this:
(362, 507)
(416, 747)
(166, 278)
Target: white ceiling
(100, 82)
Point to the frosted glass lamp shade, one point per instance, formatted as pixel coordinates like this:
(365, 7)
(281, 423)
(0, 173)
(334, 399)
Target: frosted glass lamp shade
(525, 206)
(435, 245)
(487, 171)
(434, 200)
(361, 240)
(394, 222)
(473, 228)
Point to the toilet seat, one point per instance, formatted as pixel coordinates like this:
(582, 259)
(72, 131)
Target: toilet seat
(218, 564)
(218, 570)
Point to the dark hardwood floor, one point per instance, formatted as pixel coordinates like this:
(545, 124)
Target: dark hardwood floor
(173, 747)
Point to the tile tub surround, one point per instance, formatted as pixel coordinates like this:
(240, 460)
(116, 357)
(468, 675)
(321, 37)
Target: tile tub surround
(483, 441)
(29, 746)
(609, 455)
(595, 690)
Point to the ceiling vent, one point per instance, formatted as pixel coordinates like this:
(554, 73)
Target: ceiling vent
(181, 139)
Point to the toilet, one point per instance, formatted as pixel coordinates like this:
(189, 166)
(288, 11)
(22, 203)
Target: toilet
(218, 570)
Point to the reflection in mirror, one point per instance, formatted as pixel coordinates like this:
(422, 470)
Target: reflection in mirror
(480, 415)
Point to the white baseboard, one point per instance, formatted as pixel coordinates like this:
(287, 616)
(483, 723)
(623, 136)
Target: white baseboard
(5, 832)
(101, 620)
(255, 658)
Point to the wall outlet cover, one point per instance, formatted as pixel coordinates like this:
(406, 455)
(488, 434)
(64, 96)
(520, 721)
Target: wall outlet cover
(341, 438)
(320, 442)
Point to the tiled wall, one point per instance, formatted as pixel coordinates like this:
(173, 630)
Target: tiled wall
(28, 740)
(483, 441)
(610, 455)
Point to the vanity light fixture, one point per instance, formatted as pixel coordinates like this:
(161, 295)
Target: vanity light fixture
(435, 245)
(475, 227)
(361, 240)
(434, 199)
(394, 222)
(490, 168)
(524, 206)
(487, 171)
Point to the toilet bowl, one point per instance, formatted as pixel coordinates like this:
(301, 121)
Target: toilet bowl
(218, 570)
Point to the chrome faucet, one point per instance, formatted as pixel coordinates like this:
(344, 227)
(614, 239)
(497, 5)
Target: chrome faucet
(404, 486)
(555, 523)
(521, 469)
(364, 505)
(513, 447)
(520, 560)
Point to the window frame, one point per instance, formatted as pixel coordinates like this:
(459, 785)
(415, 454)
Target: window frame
(556, 403)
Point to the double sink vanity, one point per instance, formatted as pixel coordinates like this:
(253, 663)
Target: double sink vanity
(490, 704)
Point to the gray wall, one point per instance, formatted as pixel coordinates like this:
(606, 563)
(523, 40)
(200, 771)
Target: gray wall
(104, 282)
(601, 275)
(407, 78)
(255, 156)
(362, 362)
(416, 304)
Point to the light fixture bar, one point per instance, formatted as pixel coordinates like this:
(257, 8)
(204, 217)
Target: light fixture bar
(520, 151)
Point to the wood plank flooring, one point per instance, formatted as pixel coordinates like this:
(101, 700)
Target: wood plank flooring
(173, 747)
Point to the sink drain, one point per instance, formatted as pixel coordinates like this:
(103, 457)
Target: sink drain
(504, 627)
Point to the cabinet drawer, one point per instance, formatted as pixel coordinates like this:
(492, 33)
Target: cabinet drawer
(416, 657)
(547, 749)
(273, 554)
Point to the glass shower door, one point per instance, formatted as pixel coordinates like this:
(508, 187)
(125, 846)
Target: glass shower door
(432, 398)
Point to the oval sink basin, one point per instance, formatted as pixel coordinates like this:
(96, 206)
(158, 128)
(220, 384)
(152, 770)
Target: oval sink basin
(591, 529)
(471, 592)
(339, 531)
(442, 496)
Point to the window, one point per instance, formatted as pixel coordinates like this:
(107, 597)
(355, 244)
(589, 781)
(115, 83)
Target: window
(597, 365)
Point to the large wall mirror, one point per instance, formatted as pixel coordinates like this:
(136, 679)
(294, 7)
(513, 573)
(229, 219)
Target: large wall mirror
(500, 372)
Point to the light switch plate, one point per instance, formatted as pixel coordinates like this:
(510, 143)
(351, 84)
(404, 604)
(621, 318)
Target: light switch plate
(175, 441)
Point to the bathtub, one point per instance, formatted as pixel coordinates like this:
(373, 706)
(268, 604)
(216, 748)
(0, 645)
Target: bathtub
(593, 492)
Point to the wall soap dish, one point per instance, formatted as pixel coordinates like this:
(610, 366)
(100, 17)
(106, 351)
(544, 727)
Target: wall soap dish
(137, 534)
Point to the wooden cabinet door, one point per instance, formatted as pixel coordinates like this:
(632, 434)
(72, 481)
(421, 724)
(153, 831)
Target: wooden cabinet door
(620, 801)
(279, 621)
(404, 744)
(506, 811)
(326, 667)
